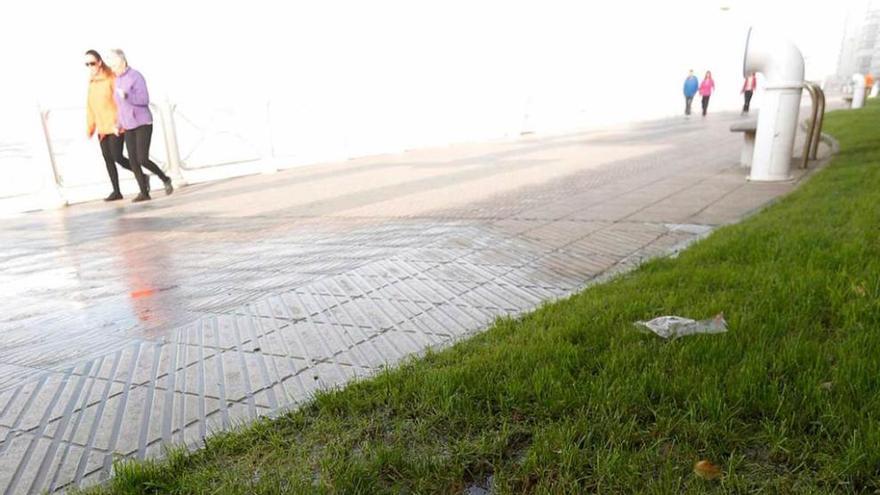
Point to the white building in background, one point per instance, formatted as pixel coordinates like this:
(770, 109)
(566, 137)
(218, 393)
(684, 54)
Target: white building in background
(860, 47)
(867, 52)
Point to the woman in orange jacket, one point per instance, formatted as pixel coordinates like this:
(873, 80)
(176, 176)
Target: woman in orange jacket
(101, 117)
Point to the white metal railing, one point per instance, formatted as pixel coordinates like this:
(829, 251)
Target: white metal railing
(78, 162)
(15, 156)
(26, 160)
(52, 163)
(197, 142)
(192, 142)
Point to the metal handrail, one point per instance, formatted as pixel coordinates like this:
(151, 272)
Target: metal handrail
(808, 143)
(169, 133)
(814, 132)
(820, 120)
(180, 160)
(57, 169)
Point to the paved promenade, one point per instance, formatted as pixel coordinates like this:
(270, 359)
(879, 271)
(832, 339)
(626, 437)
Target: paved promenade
(124, 326)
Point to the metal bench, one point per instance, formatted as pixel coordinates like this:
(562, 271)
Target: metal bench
(748, 128)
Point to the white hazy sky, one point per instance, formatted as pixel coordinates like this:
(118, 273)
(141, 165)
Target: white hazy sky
(395, 64)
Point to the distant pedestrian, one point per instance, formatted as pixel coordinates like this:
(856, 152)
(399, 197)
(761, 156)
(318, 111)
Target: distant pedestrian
(691, 84)
(748, 90)
(101, 118)
(136, 121)
(706, 89)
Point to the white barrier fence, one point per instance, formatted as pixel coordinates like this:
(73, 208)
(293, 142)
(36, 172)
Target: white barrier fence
(50, 163)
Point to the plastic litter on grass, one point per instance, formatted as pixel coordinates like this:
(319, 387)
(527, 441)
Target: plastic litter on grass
(673, 327)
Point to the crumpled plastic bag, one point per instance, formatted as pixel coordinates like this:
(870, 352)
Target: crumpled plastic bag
(675, 326)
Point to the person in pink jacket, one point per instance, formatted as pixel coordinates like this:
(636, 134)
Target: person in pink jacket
(706, 89)
(748, 90)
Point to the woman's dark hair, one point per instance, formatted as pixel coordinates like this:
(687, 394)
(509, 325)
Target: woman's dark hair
(104, 68)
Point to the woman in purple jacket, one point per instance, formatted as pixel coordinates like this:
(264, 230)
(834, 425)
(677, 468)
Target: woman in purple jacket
(136, 120)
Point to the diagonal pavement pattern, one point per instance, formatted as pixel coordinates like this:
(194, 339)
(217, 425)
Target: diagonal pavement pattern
(124, 328)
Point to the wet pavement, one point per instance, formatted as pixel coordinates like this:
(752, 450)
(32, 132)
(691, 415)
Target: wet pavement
(124, 327)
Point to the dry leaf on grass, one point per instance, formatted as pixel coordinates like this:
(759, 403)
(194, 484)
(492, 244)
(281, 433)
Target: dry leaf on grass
(706, 470)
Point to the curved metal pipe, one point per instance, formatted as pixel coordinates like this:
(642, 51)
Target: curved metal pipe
(782, 64)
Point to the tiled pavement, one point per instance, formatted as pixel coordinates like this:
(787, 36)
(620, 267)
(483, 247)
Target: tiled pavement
(127, 327)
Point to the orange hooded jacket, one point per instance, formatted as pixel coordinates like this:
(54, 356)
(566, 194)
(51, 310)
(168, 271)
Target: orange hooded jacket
(100, 107)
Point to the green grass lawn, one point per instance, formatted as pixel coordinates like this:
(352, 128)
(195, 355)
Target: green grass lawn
(573, 398)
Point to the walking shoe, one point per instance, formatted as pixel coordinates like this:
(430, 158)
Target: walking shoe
(168, 187)
(141, 197)
(114, 196)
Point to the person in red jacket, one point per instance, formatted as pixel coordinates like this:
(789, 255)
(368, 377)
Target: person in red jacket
(706, 89)
(748, 90)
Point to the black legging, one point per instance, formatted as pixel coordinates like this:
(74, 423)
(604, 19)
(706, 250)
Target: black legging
(137, 141)
(748, 99)
(111, 149)
(705, 104)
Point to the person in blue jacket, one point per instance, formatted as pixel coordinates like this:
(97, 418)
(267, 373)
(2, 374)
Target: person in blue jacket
(691, 84)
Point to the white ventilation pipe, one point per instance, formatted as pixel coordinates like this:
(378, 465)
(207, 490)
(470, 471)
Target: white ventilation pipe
(875, 89)
(783, 67)
(858, 94)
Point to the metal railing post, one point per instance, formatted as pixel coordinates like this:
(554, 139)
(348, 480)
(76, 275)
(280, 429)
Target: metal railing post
(267, 162)
(526, 125)
(169, 132)
(54, 197)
